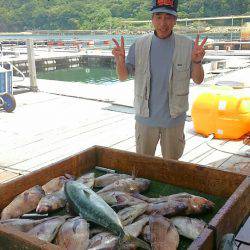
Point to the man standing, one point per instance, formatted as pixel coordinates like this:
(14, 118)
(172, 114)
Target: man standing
(162, 64)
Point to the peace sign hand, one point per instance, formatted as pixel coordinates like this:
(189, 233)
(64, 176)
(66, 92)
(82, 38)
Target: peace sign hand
(119, 51)
(198, 51)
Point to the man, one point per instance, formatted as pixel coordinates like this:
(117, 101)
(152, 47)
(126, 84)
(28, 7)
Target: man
(162, 64)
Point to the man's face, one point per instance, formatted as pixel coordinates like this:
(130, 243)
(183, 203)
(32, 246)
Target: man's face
(163, 24)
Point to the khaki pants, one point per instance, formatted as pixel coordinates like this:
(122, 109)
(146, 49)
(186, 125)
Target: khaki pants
(172, 140)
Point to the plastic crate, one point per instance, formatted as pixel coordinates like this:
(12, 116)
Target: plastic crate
(6, 77)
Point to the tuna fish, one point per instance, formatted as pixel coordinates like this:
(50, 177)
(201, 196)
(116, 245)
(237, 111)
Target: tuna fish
(74, 234)
(23, 203)
(108, 179)
(188, 227)
(128, 185)
(51, 202)
(93, 208)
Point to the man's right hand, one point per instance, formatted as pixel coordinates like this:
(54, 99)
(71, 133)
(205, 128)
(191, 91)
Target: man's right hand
(119, 51)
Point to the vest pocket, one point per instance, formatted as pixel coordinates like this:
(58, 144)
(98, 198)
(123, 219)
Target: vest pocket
(181, 78)
(179, 104)
(141, 106)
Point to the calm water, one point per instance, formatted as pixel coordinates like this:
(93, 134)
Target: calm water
(93, 75)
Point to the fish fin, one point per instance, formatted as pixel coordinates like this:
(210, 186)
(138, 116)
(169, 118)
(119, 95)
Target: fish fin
(227, 242)
(129, 239)
(134, 173)
(75, 225)
(26, 196)
(69, 176)
(86, 193)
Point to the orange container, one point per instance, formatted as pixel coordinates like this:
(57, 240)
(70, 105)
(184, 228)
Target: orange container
(223, 112)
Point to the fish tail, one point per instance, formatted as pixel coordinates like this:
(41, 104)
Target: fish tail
(131, 240)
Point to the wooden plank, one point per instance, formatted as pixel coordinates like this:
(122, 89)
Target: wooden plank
(71, 138)
(223, 150)
(7, 175)
(213, 159)
(96, 121)
(237, 164)
(124, 144)
(243, 234)
(204, 242)
(178, 173)
(73, 165)
(196, 153)
(192, 143)
(233, 213)
(104, 136)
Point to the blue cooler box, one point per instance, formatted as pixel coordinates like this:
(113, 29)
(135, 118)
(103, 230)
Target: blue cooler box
(6, 80)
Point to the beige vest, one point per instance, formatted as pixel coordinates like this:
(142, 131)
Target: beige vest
(179, 76)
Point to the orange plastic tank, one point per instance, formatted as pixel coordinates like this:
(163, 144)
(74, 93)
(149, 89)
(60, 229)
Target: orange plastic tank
(223, 112)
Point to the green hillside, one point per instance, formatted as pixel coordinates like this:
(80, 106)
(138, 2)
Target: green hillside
(20, 15)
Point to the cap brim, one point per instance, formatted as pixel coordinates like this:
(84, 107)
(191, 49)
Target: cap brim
(164, 10)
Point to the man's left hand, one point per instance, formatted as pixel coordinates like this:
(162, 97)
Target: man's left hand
(198, 51)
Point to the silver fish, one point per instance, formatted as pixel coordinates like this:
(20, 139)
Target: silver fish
(128, 214)
(23, 203)
(51, 202)
(135, 228)
(56, 184)
(198, 205)
(23, 225)
(96, 230)
(87, 179)
(103, 241)
(146, 233)
(128, 185)
(163, 234)
(169, 208)
(106, 179)
(74, 234)
(195, 204)
(119, 199)
(188, 227)
(47, 230)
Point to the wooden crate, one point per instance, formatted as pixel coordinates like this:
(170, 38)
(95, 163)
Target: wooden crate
(235, 187)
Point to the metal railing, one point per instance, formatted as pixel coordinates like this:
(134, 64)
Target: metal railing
(11, 65)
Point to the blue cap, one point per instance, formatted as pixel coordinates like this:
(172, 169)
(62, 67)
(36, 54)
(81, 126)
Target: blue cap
(165, 6)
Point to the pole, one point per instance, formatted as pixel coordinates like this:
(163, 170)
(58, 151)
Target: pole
(32, 65)
(1, 48)
(232, 29)
(241, 31)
